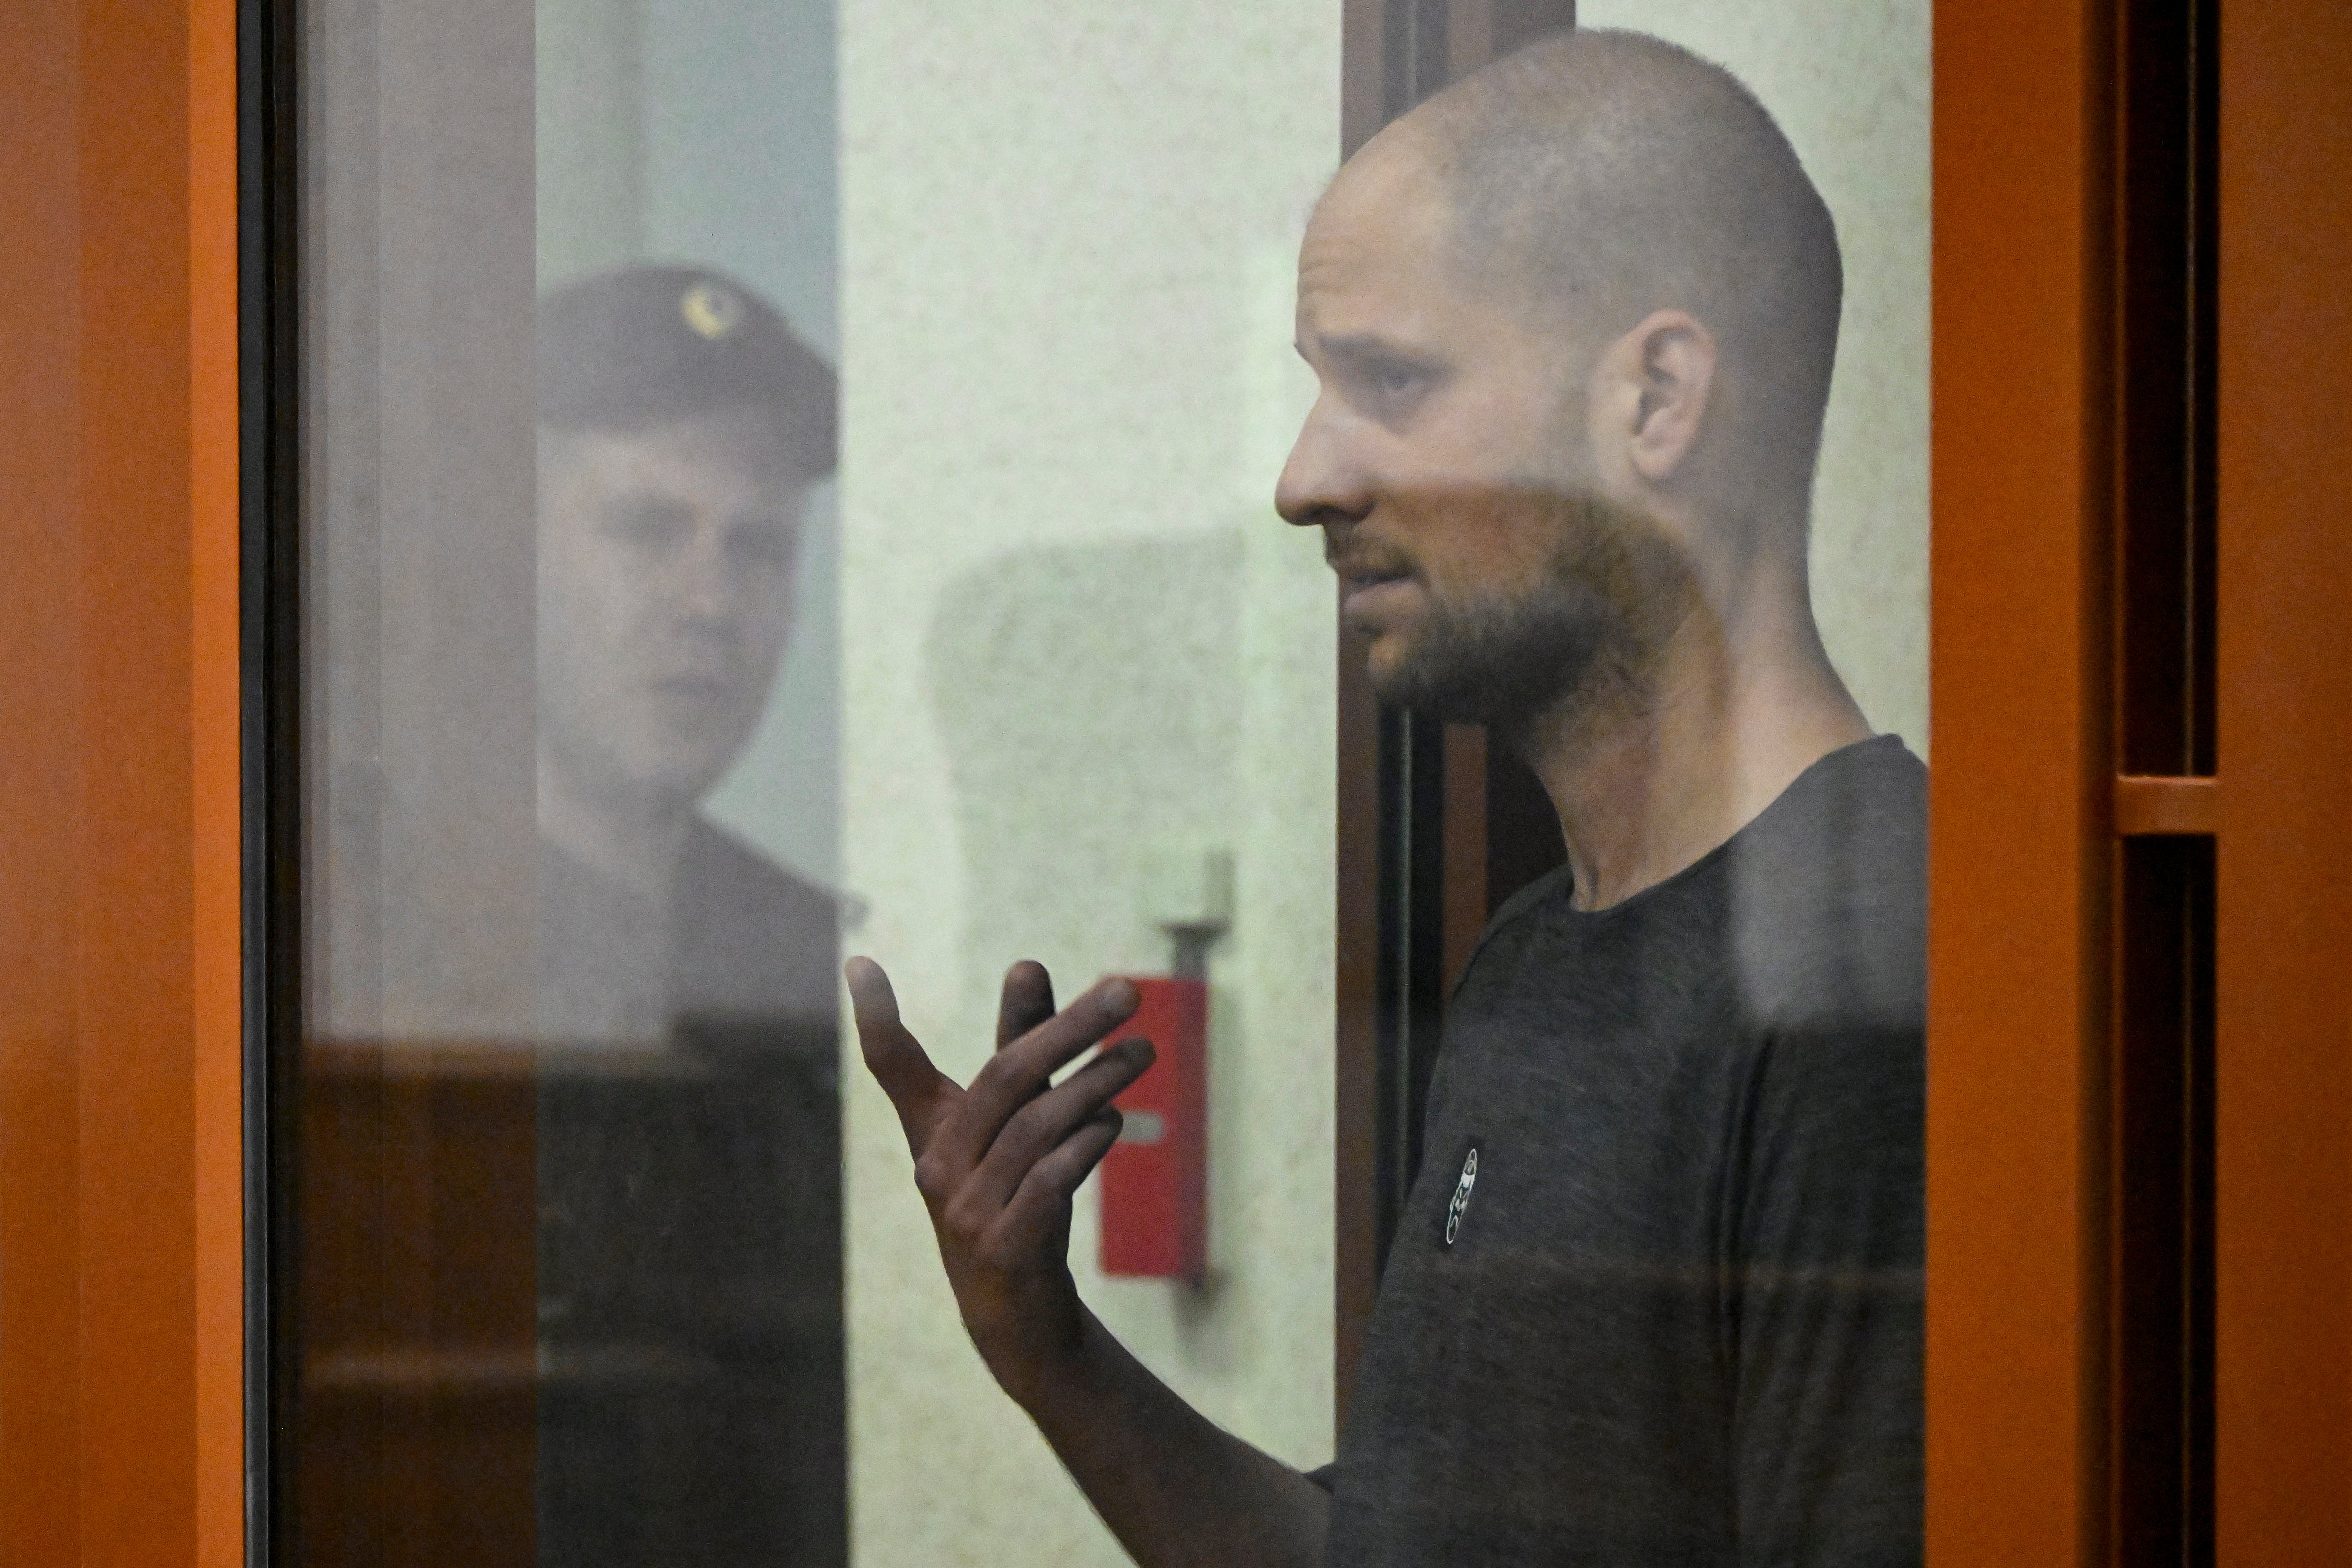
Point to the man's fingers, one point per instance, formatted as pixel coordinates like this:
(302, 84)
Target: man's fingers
(1040, 1127)
(917, 1089)
(1026, 1001)
(1040, 1209)
(1015, 1074)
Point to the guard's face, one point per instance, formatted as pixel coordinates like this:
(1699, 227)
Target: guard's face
(1448, 460)
(665, 563)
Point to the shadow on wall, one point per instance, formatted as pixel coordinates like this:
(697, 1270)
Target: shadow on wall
(1091, 703)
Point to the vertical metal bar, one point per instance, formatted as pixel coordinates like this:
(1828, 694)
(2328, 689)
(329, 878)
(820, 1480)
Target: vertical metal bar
(2160, 1370)
(2162, 1356)
(2019, 974)
(2283, 579)
(2166, 225)
(2201, 352)
(270, 705)
(1412, 794)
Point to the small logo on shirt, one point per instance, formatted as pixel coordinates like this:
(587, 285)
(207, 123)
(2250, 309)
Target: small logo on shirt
(1453, 1210)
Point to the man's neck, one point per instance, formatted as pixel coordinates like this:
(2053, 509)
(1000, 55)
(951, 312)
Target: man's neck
(634, 839)
(1714, 729)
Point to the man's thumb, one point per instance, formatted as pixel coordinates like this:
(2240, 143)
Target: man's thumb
(895, 1057)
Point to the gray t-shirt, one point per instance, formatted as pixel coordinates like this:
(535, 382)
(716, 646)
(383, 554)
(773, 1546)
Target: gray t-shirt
(1671, 1313)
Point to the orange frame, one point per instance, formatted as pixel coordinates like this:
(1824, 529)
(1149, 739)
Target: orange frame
(2027, 807)
(121, 1300)
(122, 1202)
(2017, 669)
(2282, 1426)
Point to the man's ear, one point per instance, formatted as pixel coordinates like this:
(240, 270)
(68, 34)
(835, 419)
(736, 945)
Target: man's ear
(1656, 381)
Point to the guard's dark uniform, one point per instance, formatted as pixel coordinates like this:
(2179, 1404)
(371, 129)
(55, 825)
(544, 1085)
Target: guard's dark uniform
(691, 1403)
(691, 1400)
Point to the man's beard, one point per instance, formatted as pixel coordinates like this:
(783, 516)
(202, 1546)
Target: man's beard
(1575, 645)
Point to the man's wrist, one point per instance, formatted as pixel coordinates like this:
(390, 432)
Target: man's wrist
(1063, 1376)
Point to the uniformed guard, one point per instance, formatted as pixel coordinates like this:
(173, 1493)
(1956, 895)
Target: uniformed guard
(692, 1405)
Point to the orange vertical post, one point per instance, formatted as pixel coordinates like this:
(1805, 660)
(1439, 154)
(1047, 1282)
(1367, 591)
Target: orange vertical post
(2019, 789)
(216, 804)
(40, 345)
(121, 1185)
(2025, 813)
(2283, 1030)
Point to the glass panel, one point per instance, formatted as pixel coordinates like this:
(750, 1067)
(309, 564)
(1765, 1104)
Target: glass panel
(1084, 665)
(782, 485)
(622, 709)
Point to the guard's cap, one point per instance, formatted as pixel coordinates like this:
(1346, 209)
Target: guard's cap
(645, 346)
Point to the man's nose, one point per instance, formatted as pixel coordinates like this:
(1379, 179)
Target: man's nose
(703, 583)
(1322, 483)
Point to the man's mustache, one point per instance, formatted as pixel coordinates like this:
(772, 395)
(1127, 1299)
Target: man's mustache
(1587, 523)
(1356, 551)
(1355, 559)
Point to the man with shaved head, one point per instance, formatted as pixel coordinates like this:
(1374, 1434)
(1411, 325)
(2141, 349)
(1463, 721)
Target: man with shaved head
(1654, 1298)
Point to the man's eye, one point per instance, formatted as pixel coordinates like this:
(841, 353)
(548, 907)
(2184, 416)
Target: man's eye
(1393, 387)
(761, 547)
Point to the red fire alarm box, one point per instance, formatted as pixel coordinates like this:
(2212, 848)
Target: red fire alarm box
(1155, 1178)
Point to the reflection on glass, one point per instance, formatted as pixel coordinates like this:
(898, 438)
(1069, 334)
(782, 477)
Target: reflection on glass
(1656, 1294)
(569, 1210)
(682, 426)
(1078, 651)
(691, 1404)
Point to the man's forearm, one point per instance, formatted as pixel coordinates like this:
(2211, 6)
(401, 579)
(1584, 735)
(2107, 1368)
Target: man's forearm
(1176, 1489)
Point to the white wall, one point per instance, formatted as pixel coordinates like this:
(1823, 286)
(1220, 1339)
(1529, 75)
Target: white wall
(1074, 632)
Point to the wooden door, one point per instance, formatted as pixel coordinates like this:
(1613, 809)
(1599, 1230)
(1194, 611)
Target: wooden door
(1431, 838)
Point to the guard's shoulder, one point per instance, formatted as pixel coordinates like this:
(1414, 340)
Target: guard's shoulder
(726, 870)
(751, 937)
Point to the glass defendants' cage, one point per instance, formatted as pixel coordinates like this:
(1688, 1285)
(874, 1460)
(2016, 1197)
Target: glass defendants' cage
(540, 530)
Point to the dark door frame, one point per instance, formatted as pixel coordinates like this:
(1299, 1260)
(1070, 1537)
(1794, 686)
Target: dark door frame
(1430, 836)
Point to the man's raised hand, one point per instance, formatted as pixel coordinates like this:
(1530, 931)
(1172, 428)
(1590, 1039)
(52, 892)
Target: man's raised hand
(996, 1161)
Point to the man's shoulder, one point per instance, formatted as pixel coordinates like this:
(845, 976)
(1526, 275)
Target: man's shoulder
(1828, 895)
(1854, 822)
(1817, 907)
